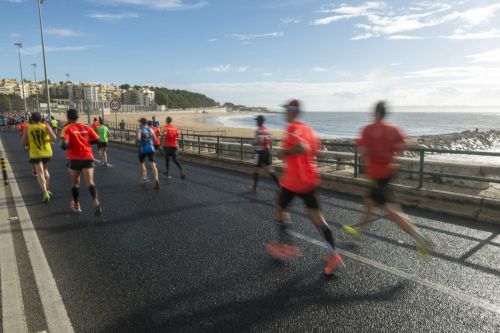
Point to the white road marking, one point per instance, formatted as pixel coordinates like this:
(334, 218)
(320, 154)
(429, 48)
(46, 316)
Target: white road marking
(52, 303)
(13, 316)
(440, 288)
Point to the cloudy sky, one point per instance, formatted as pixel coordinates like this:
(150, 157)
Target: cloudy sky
(331, 54)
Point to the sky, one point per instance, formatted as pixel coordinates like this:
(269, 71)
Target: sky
(333, 55)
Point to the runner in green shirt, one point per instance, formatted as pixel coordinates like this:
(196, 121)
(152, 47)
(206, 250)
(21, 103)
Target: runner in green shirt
(102, 146)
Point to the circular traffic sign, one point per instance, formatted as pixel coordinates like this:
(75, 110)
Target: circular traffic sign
(115, 105)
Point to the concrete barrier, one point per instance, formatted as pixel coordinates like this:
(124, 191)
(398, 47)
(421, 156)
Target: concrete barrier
(454, 204)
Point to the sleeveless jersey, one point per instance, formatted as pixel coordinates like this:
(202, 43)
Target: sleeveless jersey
(39, 141)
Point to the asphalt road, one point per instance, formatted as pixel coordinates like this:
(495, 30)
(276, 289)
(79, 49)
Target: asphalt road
(191, 258)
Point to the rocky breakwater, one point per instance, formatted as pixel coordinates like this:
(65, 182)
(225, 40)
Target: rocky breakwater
(466, 140)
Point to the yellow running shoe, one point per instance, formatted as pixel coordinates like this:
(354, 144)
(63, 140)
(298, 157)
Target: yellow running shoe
(353, 232)
(424, 247)
(46, 197)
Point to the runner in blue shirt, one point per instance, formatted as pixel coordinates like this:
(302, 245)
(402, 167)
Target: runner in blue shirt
(145, 139)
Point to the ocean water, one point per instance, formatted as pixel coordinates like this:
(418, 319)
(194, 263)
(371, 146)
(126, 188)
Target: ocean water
(349, 124)
(427, 121)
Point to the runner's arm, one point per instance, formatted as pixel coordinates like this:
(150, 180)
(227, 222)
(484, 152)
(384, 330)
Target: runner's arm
(299, 148)
(51, 134)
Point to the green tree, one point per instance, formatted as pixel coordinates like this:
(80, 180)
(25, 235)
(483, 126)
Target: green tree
(125, 86)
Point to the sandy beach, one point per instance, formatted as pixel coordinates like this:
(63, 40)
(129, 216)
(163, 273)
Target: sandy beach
(186, 121)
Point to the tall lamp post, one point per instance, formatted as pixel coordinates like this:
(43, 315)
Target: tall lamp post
(19, 46)
(70, 93)
(36, 88)
(40, 2)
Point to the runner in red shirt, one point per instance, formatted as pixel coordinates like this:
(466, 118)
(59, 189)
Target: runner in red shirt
(76, 140)
(263, 155)
(171, 146)
(95, 124)
(301, 178)
(22, 126)
(379, 143)
(156, 131)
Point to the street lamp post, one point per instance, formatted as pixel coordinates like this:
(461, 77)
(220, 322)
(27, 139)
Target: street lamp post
(19, 46)
(70, 92)
(40, 2)
(36, 88)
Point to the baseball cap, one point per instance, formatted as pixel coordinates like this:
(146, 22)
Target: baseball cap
(292, 106)
(260, 118)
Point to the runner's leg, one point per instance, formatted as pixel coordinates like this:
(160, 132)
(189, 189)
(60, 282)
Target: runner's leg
(40, 175)
(271, 172)
(47, 175)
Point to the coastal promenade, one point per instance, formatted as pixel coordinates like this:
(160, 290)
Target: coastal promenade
(191, 258)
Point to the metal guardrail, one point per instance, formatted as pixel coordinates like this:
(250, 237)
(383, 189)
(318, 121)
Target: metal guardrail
(134, 127)
(241, 148)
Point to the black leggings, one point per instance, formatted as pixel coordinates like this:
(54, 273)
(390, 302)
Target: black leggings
(171, 151)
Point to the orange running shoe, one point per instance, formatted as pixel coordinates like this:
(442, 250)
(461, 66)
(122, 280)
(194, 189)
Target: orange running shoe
(333, 262)
(282, 251)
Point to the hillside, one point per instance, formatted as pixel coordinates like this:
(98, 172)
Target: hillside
(178, 99)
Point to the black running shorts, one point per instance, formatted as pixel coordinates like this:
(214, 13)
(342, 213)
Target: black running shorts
(170, 151)
(309, 198)
(80, 164)
(102, 144)
(378, 191)
(44, 160)
(150, 156)
(263, 158)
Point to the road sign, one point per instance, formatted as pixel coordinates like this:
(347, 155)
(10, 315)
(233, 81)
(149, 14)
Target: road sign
(115, 105)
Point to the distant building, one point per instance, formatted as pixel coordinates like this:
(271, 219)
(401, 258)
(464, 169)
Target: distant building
(139, 96)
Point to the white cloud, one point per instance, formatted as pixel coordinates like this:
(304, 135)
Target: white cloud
(290, 20)
(404, 37)
(243, 69)
(319, 69)
(362, 36)
(384, 21)
(111, 17)
(492, 56)
(16, 1)
(38, 48)
(480, 15)
(211, 40)
(158, 4)
(62, 32)
(267, 74)
(255, 36)
(219, 69)
(462, 35)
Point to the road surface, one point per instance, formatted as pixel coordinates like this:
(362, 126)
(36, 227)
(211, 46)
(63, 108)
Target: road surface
(191, 258)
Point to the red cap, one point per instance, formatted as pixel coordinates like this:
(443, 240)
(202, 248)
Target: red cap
(292, 105)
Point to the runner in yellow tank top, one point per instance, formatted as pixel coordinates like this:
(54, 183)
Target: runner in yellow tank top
(38, 137)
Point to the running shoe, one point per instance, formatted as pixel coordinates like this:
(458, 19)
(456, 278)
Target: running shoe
(75, 206)
(157, 184)
(98, 210)
(423, 246)
(145, 180)
(334, 262)
(167, 175)
(46, 197)
(352, 231)
(183, 175)
(282, 251)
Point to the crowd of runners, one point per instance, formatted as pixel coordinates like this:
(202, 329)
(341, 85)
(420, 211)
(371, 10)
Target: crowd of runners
(378, 144)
